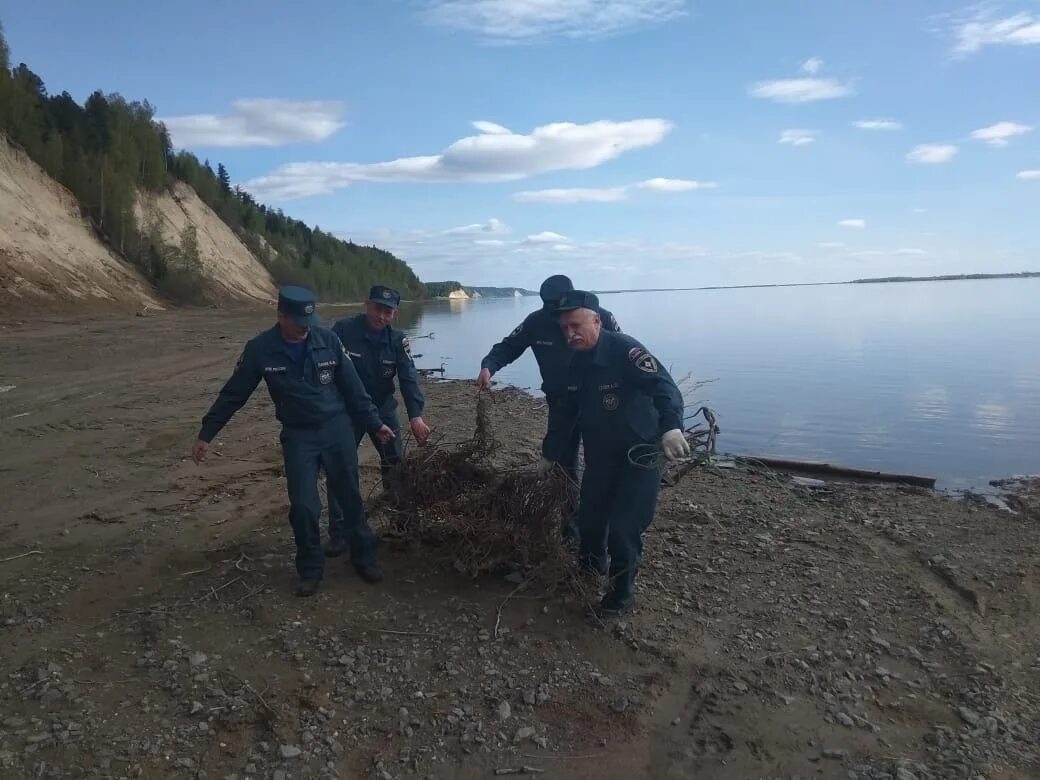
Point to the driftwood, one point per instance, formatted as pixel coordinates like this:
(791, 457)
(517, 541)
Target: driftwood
(815, 467)
(489, 517)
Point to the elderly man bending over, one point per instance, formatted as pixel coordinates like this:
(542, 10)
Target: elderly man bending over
(618, 395)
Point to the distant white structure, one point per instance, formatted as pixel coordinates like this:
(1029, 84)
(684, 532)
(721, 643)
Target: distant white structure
(517, 294)
(456, 295)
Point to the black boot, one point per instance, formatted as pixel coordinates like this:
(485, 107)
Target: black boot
(307, 587)
(622, 594)
(335, 548)
(372, 573)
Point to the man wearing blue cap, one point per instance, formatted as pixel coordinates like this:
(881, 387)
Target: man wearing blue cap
(617, 395)
(379, 353)
(541, 332)
(316, 393)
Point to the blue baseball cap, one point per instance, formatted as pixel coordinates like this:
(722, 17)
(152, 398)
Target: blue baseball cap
(384, 296)
(299, 303)
(577, 299)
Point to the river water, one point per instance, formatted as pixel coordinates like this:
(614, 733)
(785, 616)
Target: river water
(934, 378)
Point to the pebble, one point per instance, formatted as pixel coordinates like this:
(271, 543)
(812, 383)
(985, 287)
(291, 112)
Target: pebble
(289, 751)
(279, 774)
(504, 710)
(523, 733)
(620, 704)
(845, 720)
(835, 754)
(196, 707)
(968, 716)
(197, 658)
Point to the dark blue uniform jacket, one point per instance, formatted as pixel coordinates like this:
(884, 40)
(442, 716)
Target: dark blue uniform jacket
(618, 395)
(306, 393)
(377, 363)
(541, 332)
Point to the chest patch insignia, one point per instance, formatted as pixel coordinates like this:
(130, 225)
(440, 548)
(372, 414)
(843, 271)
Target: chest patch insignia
(611, 402)
(325, 377)
(388, 371)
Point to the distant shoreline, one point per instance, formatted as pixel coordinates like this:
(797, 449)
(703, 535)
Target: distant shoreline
(879, 280)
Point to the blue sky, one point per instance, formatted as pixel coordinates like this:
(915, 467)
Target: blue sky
(626, 142)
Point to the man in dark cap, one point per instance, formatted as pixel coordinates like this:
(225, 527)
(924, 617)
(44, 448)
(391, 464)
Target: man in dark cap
(541, 332)
(316, 393)
(618, 396)
(379, 353)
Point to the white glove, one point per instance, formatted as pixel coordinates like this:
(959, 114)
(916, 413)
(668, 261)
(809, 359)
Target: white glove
(545, 466)
(675, 445)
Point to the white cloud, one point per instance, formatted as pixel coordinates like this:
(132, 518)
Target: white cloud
(831, 244)
(812, 65)
(489, 242)
(520, 21)
(493, 225)
(800, 90)
(491, 128)
(609, 194)
(910, 252)
(878, 124)
(1028, 175)
(853, 223)
(676, 185)
(974, 32)
(494, 155)
(1000, 133)
(545, 237)
(931, 154)
(572, 195)
(259, 122)
(798, 137)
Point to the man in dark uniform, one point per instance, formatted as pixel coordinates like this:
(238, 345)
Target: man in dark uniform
(541, 332)
(316, 392)
(379, 353)
(617, 395)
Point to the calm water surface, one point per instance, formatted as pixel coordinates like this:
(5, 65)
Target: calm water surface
(938, 378)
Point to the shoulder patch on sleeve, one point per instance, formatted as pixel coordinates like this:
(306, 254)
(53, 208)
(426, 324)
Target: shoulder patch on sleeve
(643, 360)
(406, 345)
(614, 324)
(516, 330)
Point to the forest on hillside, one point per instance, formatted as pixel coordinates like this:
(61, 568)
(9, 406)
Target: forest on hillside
(106, 149)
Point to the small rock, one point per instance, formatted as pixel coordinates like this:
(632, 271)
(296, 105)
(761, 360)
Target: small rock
(529, 698)
(196, 707)
(835, 754)
(197, 658)
(289, 751)
(515, 577)
(740, 686)
(504, 710)
(523, 733)
(845, 720)
(619, 704)
(346, 660)
(402, 713)
(902, 773)
(279, 774)
(863, 603)
(968, 716)
(35, 739)
(541, 742)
